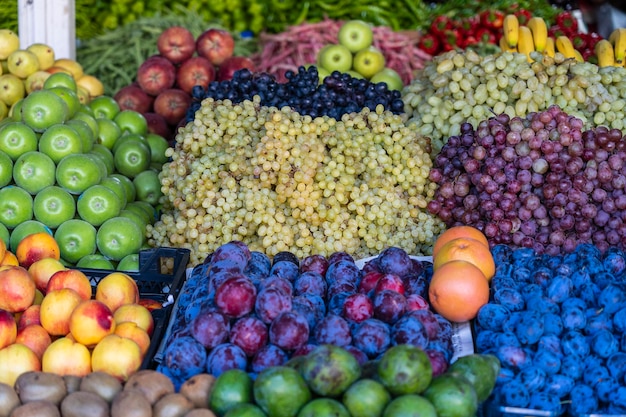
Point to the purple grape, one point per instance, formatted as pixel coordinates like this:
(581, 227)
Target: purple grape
(210, 328)
(333, 330)
(289, 330)
(250, 334)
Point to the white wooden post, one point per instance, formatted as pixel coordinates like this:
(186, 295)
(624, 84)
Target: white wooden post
(52, 22)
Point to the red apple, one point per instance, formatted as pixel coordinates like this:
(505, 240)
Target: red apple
(177, 44)
(228, 68)
(132, 97)
(195, 71)
(156, 74)
(216, 45)
(172, 104)
(157, 124)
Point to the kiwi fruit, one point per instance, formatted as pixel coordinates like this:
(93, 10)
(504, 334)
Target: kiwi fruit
(72, 383)
(37, 408)
(131, 403)
(40, 386)
(9, 399)
(84, 404)
(151, 383)
(172, 405)
(200, 412)
(197, 389)
(101, 383)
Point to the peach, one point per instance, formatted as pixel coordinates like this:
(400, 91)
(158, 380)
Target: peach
(65, 356)
(74, 279)
(38, 297)
(17, 289)
(116, 289)
(9, 258)
(8, 329)
(90, 322)
(56, 309)
(35, 337)
(35, 247)
(150, 304)
(30, 316)
(42, 270)
(117, 356)
(137, 314)
(15, 360)
(130, 330)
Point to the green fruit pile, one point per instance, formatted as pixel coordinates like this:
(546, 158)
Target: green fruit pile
(86, 174)
(330, 381)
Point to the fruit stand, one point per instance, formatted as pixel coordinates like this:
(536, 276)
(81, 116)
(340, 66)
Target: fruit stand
(271, 208)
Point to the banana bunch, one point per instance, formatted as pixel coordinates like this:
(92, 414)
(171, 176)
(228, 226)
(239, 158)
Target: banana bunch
(534, 37)
(612, 51)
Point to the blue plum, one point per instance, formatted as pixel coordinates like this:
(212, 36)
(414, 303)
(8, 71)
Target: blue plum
(409, 330)
(559, 385)
(509, 298)
(584, 400)
(224, 357)
(547, 360)
(575, 343)
(285, 269)
(491, 316)
(544, 401)
(334, 330)
(515, 394)
(310, 282)
(532, 377)
(604, 343)
(559, 289)
(371, 336)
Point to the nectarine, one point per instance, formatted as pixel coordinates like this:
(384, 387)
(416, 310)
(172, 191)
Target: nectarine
(65, 356)
(90, 322)
(17, 289)
(8, 329)
(74, 279)
(116, 289)
(56, 309)
(117, 356)
(35, 247)
(42, 270)
(35, 337)
(15, 360)
(137, 314)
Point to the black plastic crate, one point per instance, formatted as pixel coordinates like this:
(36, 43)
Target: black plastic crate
(156, 282)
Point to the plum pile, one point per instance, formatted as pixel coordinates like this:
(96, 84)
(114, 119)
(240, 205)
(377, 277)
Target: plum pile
(557, 323)
(336, 95)
(540, 181)
(241, 310)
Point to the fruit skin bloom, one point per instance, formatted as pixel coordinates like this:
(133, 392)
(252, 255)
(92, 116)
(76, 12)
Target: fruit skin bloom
(281, 181)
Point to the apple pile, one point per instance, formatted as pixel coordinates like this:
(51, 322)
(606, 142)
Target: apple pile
(86, 174)
(164, 83)
(52, 319)
(23, 71)
(355, 54)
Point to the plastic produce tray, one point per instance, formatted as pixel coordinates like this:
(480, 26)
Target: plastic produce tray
(154, 283)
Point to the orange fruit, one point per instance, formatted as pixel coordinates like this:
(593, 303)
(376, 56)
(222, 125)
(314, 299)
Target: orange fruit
(457, 290)
(469, 250)
(456, 232)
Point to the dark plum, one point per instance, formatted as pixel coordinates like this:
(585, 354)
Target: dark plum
(224, 357)
(269, 355)
(573, 318)
(336, 302)
(389, 306)
(542, 304)
(390, 282)
(185, 357)
(617, 365)
(339, 287)
(430, 322)
(279, 282)
(358, 307)
(442, 345)
(260, 262)
(551, 343)
(619, 320)
(236, 296)
(289, 330)
(369, 281)
(415, 302)
(552, 324)
(250, 334)
(195, 307)
(310, 282)
(485, 341)
(396, 261)
(529, 327)
(614, 261)
(210, 328)
(285, 269)
(548, 361)
(340, 256)
(333, 330)
(308, 309)
(574, 302)
(415, 284)
(270, 303)
(594, 375)
(445, 327)
(438, 361)
(598, 320)
(343, 271)
(304, 349)
(314, 263)
(409, 330)
(605, 387)
(360, 356)
(572, 367)
(372, 337)
(234, 251)
(286, 256)
(507, 339)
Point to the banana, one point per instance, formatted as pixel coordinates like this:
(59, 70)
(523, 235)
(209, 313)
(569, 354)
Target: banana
(505, 47)
(564, 45)
(604, 52)
(539, 30)
(525, 43)
(550, 48)
(510, 28)
(618, 40)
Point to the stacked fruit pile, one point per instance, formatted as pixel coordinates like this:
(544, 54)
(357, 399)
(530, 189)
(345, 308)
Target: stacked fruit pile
(85, 173)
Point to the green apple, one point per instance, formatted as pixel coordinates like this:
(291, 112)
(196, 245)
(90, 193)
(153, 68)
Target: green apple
(108, 132)
(128, 186)
(104, 106)
(129, 137)
(355, 74)
(129, 262)
(137, 215)
(99, 164)
(16, 138)
(60, 140)
(15, 112)
(131, 121)
(60, 79)
(368, 61)
(148, 187)
(95, 261)
(5, 235)
(98, 204)
(34, 171)
(12, 89)
(16, 206)
(158, 145)
(389, 76)
(148, 209)
(84, 131)
(70, 97)
(118, 237)
(76, 239)
(53, 206)
(355, 35)
(335, 57)
(115, 184)
(132, 158)
(89, 119)
(24, 229)
(6, 169)
(42, 109)
(75, 173)
(106, 155)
